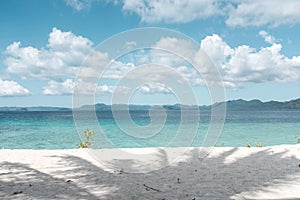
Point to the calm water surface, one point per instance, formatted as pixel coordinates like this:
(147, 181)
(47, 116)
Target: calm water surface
(57, 130)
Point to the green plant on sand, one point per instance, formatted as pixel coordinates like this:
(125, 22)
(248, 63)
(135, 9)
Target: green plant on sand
(298, 139)
(87, 140)
(219, 145)
(258, 144)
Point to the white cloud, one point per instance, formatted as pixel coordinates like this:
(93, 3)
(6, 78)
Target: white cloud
(152, 88)
(129, 45)
(63, 56)
(216, 48)
(12, 88)
(237, 65)
(245, 64)
(268, 38)
(155, 74)
(105, 89)
(69, 48)
(266, 12)
(69, 87)
(171, 49)
(117, 69)
(180, 55)
(172, 11)
(235, 12)
(94, 65)
(79, 5)
(59, 88)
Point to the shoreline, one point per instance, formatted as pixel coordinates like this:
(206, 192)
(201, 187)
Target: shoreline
(225, 173)
(271, 146)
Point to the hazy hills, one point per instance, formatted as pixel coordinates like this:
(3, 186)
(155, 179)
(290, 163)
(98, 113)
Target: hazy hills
(239, 104)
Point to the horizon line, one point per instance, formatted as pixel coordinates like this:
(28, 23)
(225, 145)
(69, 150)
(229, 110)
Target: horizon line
(151, 104)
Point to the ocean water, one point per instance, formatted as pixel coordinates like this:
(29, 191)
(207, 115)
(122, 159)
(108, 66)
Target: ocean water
(57, 129)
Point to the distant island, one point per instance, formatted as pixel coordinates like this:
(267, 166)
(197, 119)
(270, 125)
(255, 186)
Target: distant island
(239, 104)
(34, 108)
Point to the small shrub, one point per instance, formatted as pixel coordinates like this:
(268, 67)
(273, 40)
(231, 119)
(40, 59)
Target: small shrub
(258, 144)
(87, 140)
(219, 145)
(298, 139)
(248, 145)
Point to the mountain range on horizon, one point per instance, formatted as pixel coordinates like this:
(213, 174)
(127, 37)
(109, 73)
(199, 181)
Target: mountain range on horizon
(238, 104)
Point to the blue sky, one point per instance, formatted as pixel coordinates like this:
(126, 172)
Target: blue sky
(254, 45)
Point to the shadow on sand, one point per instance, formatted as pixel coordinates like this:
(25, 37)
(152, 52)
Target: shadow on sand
(211, 178)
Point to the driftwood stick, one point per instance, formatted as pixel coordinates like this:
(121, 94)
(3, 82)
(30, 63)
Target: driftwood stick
(151, 188)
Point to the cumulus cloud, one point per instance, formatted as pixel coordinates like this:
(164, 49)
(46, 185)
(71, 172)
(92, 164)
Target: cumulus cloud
(180, 55)
(62, 57)
(94, 65)
(117, 69)
(217, 49)
(81, 87)
(266, 12)
(246, 64)
(154, 74)
(59, 88)
(177, 11)
(12, 88)
(235, 12)
(77, 47)
(151, 88)
(65, 56)
(69, 86)
(237, 65)
(173, 50)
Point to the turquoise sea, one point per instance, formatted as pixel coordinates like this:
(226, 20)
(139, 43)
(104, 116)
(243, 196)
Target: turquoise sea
(57, 130)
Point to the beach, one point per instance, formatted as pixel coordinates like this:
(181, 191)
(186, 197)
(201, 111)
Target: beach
(224, 173)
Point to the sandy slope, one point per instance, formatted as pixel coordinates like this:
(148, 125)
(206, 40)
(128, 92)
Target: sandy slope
(226, 173)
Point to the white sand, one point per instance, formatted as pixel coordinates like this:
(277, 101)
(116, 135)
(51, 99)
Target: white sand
(226, 173)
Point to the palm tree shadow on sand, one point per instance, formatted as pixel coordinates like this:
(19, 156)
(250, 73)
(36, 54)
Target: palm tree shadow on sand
(214, 177)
